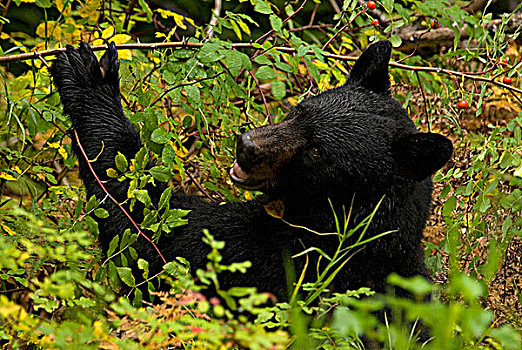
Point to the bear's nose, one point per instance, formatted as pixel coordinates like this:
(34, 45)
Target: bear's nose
(246, 150)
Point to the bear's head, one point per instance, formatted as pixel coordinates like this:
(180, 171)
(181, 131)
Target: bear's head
(355, 138)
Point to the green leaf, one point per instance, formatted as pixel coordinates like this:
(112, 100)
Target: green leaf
(133, 253)
(44, 3)
(235, 61)
(209, 52)
(483, 203)
(146, 8)
(160, 136)
(165, 198)
(138, 297)
(171, 268)
(284, 67)
(113, 245)
(92, 203)
(265, 72)
(113, 275)
(126, 276)
(449, 206)
(276, 23)
(395, 40)
(125, 238)
(193, 94)
(121, 162)
(144, 265)
(261, 6)
(278, 89)
(141, 159)
(262, 60)
(142, 196)
(161, 173)
(101, 213)
(111, 172)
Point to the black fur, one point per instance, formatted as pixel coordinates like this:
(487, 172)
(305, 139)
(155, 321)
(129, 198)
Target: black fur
(350, 143)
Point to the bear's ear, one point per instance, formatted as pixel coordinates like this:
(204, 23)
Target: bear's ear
(371, 69)
(420, 155)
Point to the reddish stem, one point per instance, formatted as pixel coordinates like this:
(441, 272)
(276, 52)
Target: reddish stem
(114, 200)
(263, 96)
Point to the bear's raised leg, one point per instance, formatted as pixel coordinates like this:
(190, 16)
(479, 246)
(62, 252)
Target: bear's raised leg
(90, 94)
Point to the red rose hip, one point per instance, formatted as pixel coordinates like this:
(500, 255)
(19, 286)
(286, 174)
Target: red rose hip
(463, 104)
(371, 5)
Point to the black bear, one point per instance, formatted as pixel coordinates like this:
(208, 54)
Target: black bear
(350, 147)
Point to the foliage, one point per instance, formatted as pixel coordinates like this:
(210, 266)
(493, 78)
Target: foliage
(188, 101)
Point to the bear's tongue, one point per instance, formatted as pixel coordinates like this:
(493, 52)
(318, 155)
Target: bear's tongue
(237, 173)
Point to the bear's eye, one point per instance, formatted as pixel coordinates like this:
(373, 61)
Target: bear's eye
(315, 152)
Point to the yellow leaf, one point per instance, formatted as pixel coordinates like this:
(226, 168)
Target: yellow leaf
(59, 5)
(24, 256)
(53, 145)
(275, 209)
(107, 32)
(120, 38)
(180, 152)
(90, 10)
(4, 36)
(6, 176)
(49, 29)
(180, 21)
(244, 27)
(518, 172)
(8, 230)
(320, 65)
(157, 35)
(165, 13)
(98, 329)
(63, 152)
(125, 55)
(97, 42)
(22, 47)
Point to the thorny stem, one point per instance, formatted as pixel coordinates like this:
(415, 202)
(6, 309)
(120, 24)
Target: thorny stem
(342, 28)
(114, 199)
(262, 96)
(424, 99)
(284, 21)
(152, 46)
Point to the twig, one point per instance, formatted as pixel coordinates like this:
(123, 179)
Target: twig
(200, 187)
(263, 96)
(335, 7)
(181, 85)
(343, 27)
(423, 97)
(4, 13)
(114, 200)
(284, 21)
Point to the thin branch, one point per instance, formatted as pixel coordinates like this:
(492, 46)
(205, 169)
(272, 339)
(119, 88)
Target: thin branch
(200, 187)
(267, 34)
(343, 27)
(153, 46)
(262, 96)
